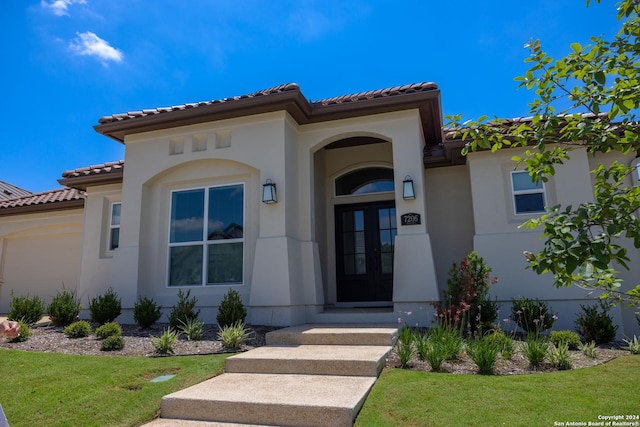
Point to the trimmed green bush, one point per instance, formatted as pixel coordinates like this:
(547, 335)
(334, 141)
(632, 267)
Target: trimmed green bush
(231, 309)
(110, 329)
(112, 343)
(532, 315)
(79, 329)
(27, 309)
(146, 312)
(595, 324)
(105, 308)
(64, 308)
(25, 332)
(568, 337)
(183, 311)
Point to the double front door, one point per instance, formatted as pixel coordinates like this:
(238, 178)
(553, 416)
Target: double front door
(365, 235)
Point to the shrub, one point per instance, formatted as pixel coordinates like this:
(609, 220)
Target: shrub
(448, 338)
(466, 301)
(484, 353)
(432, 351)
(504, 343)
(164, 343)
(193, 329)
(589, 349)
(233, 336)
(112, 343)
(231, 309)
(535, 350)
(109, 329)
(24, 334)
(105, 308)
(559, 356)
(633, 345)
(79, 329)
(146, 312)
(64, 308)
(183, 310)
(27, 309)
(532, 315)
(568, 337)
(595, 324)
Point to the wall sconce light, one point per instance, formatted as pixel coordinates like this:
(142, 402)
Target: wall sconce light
(269, 192)
(407, 188)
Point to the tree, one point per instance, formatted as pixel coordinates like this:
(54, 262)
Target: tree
(587, 99)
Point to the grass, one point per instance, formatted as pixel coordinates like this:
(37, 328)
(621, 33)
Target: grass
(69, 390)
(412, 398)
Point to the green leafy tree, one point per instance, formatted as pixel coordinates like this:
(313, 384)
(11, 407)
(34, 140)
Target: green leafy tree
(588, 100)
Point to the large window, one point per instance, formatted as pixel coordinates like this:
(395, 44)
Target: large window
(206, 236)
(528, 197)
(114, 226)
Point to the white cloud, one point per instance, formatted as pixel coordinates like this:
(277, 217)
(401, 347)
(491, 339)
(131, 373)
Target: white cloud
(89, 44)
(60, 7)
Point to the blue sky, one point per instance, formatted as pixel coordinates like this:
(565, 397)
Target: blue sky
(66, 63)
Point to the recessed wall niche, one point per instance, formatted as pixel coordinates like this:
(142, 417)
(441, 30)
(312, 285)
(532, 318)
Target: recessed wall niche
(176, 146)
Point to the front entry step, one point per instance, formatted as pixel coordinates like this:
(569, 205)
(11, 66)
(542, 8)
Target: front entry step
(354, 360)
(272, 399)
(308, 375)
(317, 334)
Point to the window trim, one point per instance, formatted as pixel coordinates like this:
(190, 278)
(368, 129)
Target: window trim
(205, 242)
(113, 227)
(515, 193)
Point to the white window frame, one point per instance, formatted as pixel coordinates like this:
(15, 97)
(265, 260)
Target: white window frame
(515, 193)
(113, 226)
(205, 242)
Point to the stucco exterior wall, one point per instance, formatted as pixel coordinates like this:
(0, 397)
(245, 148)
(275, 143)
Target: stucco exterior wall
(501, 242)
(39, 254)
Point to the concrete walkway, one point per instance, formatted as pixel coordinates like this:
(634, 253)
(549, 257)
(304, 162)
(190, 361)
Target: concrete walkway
(309, 375)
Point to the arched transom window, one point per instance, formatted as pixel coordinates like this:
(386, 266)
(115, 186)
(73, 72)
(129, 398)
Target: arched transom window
(365, 181)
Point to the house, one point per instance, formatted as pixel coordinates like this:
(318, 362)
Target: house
(350, 208)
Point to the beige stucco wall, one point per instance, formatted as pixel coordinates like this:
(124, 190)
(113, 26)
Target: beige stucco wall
(501, 242)
(39, 254)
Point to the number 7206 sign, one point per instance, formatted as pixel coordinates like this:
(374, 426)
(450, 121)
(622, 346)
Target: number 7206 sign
(410, 219)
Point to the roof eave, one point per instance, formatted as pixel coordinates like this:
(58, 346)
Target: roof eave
(82, 182)
(43, 207)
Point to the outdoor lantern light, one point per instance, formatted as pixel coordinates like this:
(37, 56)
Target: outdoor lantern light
(407, 189)
(269, 192)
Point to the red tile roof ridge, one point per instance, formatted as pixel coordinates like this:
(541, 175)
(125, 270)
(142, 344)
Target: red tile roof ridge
(153, 111)
(287, 87)
(102, 168)
(51, 196)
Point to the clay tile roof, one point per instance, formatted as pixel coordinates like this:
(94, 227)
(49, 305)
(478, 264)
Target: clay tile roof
(63, 198)
(10, 191)
(154, 111)
(381, 93)
(105, 173)
(103, 168)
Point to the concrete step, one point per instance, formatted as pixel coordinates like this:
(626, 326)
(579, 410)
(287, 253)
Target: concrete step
(355, 360)
(327, 334)
(166, 422)
(272, 399)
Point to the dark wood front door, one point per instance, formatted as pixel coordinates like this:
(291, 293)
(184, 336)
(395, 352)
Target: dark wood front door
(365, 235)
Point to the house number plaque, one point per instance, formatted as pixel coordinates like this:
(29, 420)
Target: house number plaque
(410, 219)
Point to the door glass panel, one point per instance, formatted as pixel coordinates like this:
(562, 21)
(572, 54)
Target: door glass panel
(359, 241)
(359, 220)
(349, 265)
(386, 263)
(361, 264)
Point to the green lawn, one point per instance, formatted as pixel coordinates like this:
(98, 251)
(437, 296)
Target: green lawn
(411, 398)
(67, 390)
(49, 389)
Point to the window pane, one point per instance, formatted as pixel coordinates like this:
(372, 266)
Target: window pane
(226, 212)
(185, 265)
(529, 203)
(114, 240)
(386, 261)
(115, 213)
(522, 181)
(187, 216)
(364, 181)
(225, 263)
